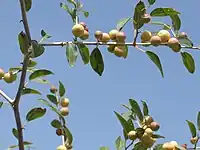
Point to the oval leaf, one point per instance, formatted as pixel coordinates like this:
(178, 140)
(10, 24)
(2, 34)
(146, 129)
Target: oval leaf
(119, 143)
(121, 23)
(35, 113)
(68, 135)
(176, 22)
(156, 61)
(96, 61)
(136, 109)
(192, 128)
(145, 108)
(61, 89)
(52, 98)
(71, 53)
(15, 133)
(37, 50)
(30, 91)
(198, 120)
(151, 2)
(138, 13)
(28, 4)
(188, 61)
(161, 12)
(40, 73)
(85, 54)
(56, 124)
(23, 41)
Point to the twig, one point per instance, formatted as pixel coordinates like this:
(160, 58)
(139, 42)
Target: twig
(135, 37)
(126, 148)
(7, 98)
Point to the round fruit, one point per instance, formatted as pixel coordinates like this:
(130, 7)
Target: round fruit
(61, 147)
(113, 33)
(132, 135)
(146, 18)
(8, 77)
(168, 146)
(148, 131)
(146, 36)
(154, 126)
(105, 37)
(53, 89)
(174, 44)
(59, 132)
(119, 51)
(155, 40)
(64, 102)
(184, 146)
(148, 120)
(64, 111)
(1, 73)
(111, 48)
(164, 35)
(120, 37)
(83, 24)
(98, 35)
(85, 35)
(194, 140)
(147, 140)
(182, 35)
(78, 30)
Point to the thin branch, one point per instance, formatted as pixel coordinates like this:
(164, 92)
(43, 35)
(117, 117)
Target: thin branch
(6, 97)
(126, 148)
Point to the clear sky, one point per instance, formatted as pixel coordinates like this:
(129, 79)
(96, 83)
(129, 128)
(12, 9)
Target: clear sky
(172, 100)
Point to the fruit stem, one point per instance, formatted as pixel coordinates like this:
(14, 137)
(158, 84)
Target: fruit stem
(126, 148)
(6, 97)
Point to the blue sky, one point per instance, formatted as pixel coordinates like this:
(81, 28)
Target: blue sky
(172, 100)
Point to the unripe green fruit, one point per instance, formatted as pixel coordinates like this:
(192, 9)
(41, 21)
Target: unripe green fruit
(113, 33)
(146, 18)
(77, 30)
(119, 51)
(132, 135)
(64, 111)
(120, 36)
(174, 44)
(85, 35)
(155, 40)
(146, 36)
(154, 126)
(53, 89)
(193, 140)
(105, 37)
(98, 35)
(164, 35)
(111, 48)
(61, 147)
(1, 73)
(64, 102)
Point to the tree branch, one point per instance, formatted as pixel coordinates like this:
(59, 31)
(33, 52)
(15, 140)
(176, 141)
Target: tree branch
(6, 97)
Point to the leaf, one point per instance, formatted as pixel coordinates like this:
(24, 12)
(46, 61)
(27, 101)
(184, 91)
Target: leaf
(119, 143)
(136, 109)
(192, 128)
(125, 51)
(25, 143)
(156, 61)
(198, 120)
(71, 53)
(28, 4)
(139, 12)
(37, 49)
(139, 146)
(121, 23)
(96, 61)
(1, 104)
(165, 26)
(157, 136)
(145, 108)
(86, 14)
(188, 61)
(61, 89)
(45, 36)
(185, 41)
(104, 148)
(52, 98)
(41, 81)
(56, 124)
(85, 54)
(15, 132)
(30, 91)
(23, 41)
(35, 113)
(158, 147)
(151, 2)
(15, 69)
(68, 134)
(32, 63)
(161, 12)
(176, 22)
(40, 73)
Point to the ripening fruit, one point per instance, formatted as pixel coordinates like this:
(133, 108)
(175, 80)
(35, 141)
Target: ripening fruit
(148, 120)
(61, 147)
(154, 126)
(182, 35)
(111, 48)
(64, 111)
(1, 73)
(85, 35)
(64, 102)
(9, 77)
(98, 35)
(194, 140)
(146, 18)
(53, 89)
(168, 146)
(155, 40)
(83, 24)
(175, 144)
(113, 33)
(119, 51)
(146, 36)
(164, 35)
(174, 44)
(147, 140)
(105, 37)
(132, 135)
(148, 131)
(120, 37)
(59, 132)
(77, 30)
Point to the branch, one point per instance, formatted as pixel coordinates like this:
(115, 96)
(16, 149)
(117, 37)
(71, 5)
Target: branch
(126, 148)
(7, 98)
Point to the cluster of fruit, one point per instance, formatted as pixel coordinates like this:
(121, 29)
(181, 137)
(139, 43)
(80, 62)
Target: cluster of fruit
(145, 135)
(8, 77)
(80, 30)
(162, 37)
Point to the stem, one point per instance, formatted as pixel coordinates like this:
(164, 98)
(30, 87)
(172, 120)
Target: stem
(7, 98)
(135, 37)
(126, 148)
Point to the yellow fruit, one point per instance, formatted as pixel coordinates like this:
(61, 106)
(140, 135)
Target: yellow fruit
(168, 146)
(174, 44)
(113, 33)
(98, 35)
(132, 135)
(78, 30)
(1, 73)
(149, 132)
(147, 140)
(9, 77)
(64, 102)
(53, 89)
(64, 111)
(105, 37)
(120, 36)
(164, 35)
(111, 48)
(146, 18)
(148, 120)
(61, 147)
(85, 35)
(154, 126)
(155, 40)
(146, 36)
(119, 51)
(194, 140)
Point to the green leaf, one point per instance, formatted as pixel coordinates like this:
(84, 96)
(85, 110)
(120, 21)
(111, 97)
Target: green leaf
(158, 147)
(1, 104)
(136, 109)
(85, 54)
(32, 63)
(145, 108)
(125, 51)
(15, 132)
(15, 69)
(104, 148)
(161, 12)
(71, 53)
(151, 2)
(35, 113)
(40, 73)
(125, 135)
(188, 61)
(23, 41)
(139, 12)
(176, 22)
(198, 120)
(86, 14)
(156, 61)
(139, 146)
(165, 26)
(185, 41)
(157, 136)
(45, 36)
(56, 124)
(41, 81)
(52, 98)
(28, 4)
(121, 23)
(119, 143)
(61, 89)
(192, 128)
(96, 61)
(25, 143)
(37, 49)
(30, 91)
(68, 134)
